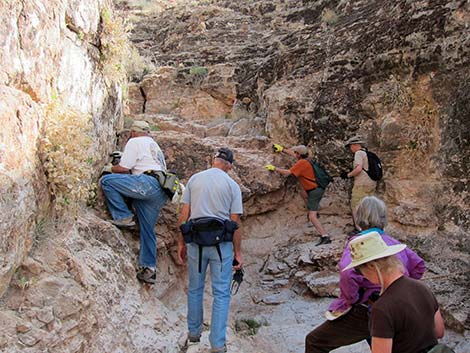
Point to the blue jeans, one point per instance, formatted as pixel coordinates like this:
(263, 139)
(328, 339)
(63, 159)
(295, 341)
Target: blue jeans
(147, 199)
(221, 278)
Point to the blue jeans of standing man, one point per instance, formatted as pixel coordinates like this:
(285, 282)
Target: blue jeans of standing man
(147, 199)
(221, 278)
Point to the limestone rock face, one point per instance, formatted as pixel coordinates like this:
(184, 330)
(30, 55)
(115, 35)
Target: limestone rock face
(49, 52)
(78, 289)
(318, 73)
(196, 93)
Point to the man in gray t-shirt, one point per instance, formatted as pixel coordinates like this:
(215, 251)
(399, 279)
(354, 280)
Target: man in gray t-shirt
(211, 193)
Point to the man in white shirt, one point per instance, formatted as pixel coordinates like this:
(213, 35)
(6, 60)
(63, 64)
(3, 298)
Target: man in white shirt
(363, 184)
(132, 179)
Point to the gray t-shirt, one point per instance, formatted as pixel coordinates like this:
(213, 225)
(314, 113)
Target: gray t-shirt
(213, 193)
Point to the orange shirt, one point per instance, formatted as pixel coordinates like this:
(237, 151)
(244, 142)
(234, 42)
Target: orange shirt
(303, 170)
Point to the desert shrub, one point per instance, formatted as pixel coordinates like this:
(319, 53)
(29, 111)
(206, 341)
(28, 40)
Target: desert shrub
(120, 59)
(398, 94)
(67, 157)
(329, 17)
(197, 74)
(249, 326)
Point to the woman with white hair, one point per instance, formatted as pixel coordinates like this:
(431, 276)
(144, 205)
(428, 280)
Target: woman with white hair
(348, 316)
(406, 317)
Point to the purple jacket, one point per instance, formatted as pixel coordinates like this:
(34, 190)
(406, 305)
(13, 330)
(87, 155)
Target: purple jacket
(351, 281)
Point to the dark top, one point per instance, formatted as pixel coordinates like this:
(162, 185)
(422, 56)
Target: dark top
(405, 312)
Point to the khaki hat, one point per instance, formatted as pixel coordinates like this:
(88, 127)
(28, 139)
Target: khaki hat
(140, 126)
(300, 149)
(355, 140)
(369, 247)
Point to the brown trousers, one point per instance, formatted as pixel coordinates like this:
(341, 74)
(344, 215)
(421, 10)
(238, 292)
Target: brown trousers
(348, 329)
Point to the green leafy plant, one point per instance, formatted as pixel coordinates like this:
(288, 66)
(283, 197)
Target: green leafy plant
(197, 75)
(198, 71)
(250, 326)
(23, 283)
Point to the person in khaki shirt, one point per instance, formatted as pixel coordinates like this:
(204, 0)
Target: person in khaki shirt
(363, 184)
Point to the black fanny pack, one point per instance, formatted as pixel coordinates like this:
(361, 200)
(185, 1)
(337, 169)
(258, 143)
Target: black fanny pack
(208, 231)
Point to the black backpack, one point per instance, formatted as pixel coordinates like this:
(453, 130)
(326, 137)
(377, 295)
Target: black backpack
(321, 175)
(375, 171)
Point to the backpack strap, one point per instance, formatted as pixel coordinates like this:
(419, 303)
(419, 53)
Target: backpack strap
(310, 161)
(200, 258)
(217, 247)
(365, 150)
(219, 252)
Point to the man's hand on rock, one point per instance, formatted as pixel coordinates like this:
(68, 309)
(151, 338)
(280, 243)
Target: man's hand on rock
(277, 148)
(270, 167)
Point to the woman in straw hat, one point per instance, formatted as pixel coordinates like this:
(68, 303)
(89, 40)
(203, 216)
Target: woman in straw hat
(406, 317)
(348, 316)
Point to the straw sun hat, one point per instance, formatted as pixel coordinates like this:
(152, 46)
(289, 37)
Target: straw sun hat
(369, 247)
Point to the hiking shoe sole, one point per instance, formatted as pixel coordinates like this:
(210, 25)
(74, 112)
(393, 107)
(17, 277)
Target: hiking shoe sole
(219, 350)
(194, 339)
(123, 223)
(147, 275)
(324, 241)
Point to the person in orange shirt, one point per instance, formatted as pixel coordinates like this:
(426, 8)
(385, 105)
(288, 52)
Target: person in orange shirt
(312, 192)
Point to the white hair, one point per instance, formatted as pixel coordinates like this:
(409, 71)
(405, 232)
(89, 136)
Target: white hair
(371, 213)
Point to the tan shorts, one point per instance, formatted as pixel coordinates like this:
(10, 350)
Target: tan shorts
(359, 192)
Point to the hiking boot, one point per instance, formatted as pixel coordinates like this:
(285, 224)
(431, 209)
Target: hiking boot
(147, 275)
(219, 350)
(124, 223)
(353, 233)
(323, 241)
(194, 339)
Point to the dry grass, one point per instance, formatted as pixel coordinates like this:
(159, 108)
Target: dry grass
(329, 17)
(67, 161)
(120, 59)
(420, 131)
(398, 94)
